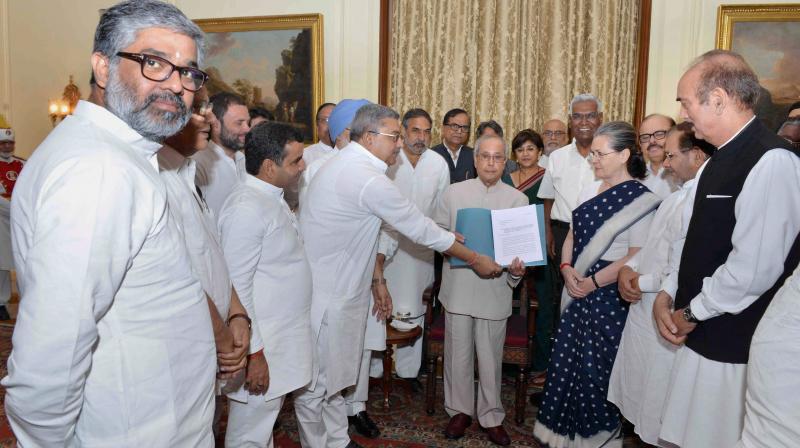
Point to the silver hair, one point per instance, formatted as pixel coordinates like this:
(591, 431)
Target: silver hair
(481, 140)
(729, 71)
(582, 97)
(368, 118)
(120, 24)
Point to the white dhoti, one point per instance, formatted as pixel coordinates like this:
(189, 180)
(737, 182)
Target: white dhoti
(772, 406)
(464, 337)
(705, 402)
(641, 372)
(250, 424)
(356, 396)
(321, 421)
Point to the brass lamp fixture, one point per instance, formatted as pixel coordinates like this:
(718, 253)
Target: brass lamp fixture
(58, 109)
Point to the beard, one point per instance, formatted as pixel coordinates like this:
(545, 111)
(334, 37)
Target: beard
(229, 139)
(417, 148)
(151, 123)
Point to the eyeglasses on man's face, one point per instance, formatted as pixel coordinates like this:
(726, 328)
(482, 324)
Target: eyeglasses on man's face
(496, 158)
(588, 116)
(393, 137)
(658, 135)
(552, 134)
(159, 69)
(457, 127)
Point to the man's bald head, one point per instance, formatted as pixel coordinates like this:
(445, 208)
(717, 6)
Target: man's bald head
(730, 72)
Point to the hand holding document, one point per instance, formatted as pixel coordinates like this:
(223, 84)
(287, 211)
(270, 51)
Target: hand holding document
(504, 234)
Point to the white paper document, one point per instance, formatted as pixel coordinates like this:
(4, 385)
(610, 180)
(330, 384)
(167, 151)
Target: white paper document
(516, 235)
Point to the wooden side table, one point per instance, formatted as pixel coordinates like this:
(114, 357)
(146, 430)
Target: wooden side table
(398, 338)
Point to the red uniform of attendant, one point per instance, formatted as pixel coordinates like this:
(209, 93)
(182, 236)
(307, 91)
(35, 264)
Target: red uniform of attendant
(9, 171)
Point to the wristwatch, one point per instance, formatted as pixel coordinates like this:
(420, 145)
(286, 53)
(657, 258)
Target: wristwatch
(688, 316)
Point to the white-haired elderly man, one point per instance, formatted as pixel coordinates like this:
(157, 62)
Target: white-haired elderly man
(347, 202)
(569, 171)
(113, 344)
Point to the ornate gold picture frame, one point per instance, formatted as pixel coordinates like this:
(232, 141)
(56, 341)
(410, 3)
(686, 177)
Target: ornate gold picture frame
(273, 62)
(768, 37)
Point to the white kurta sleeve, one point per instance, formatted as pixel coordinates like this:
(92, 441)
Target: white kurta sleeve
(387, 242)
(546, 189)
(383, 199)
(90, 219)
(241, 233)
(441, 214)
(767, 222)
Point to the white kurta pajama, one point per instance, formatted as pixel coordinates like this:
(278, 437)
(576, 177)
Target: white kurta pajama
(704, 393)
(639, 378)
(408, 271)
(217, 174)
(113, 344)
(268, 265)
(476, 311)
(340, 220)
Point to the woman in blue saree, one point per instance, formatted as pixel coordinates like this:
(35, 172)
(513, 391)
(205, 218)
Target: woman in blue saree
(608, 227)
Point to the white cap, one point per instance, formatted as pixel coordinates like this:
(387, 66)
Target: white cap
(6, 135)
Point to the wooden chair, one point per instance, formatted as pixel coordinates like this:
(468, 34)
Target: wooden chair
(517, 350)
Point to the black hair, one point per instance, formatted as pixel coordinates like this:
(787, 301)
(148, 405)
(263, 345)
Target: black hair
(416, 113)
(221, 101)
(452, 113)
(268, 140)
(261, 112)
(493, 125)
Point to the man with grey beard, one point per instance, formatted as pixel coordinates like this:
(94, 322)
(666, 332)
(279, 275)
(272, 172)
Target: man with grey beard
(221, 167)
(113, 344)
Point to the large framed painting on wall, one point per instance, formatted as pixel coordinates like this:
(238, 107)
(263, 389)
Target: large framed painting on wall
(768, 37)
(274, 62)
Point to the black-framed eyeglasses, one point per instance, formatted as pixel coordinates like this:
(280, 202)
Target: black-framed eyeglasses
(393, 137)
(658, 135)
(457, 127)
(159, 69)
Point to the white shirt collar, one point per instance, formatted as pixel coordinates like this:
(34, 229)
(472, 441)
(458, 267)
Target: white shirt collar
(221, 152)
(104, 119)
(737, 132)
(265, 187)
(378, 163)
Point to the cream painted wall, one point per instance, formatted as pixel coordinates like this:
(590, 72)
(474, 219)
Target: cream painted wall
(680, 30)
(48, 40)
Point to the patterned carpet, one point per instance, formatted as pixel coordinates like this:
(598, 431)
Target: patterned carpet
(405, 424)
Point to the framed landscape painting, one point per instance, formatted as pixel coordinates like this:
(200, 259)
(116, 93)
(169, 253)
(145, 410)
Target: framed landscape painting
(768, 37)
(273, 62)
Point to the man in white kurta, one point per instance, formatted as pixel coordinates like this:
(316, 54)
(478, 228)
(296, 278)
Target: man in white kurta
(265, 254)
(639, 378)
(476, 309)
(347, 200)
(113, 344)
(421, 176)
(325, 144)
(221, 166)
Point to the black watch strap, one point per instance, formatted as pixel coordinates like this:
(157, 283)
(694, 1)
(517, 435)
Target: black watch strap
(688, 316)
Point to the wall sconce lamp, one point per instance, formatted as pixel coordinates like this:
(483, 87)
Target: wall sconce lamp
(58, 109)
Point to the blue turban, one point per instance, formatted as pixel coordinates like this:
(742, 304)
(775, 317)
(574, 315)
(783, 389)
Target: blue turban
(343, 115)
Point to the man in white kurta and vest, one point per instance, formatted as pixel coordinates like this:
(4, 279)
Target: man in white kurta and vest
(221, 167)
(113, 344)
(421, 176)
(640, 375)
(228, 317)
(652, 136)
(476, 309)
(265, 254)
(741, 245)
(347, 201)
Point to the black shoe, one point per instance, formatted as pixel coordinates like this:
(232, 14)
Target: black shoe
(414, 384)
(353, 444)
(364, 425)
(4, 313)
